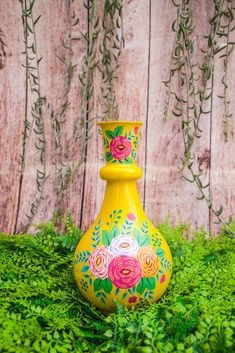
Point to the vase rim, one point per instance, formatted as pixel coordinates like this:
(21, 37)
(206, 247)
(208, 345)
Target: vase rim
(123, 122)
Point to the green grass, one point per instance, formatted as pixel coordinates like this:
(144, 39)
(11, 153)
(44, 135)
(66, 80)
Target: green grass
(41, 309)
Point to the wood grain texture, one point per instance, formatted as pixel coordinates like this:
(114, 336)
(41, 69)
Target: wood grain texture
(140, 93)
(132, 84)
(222, 153)
(49, 29)
(12, 110)
(131, 95)
(54, 33)
(72, 200)
(167, 194)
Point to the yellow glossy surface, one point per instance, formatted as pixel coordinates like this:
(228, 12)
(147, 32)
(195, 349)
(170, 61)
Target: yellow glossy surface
(122, 256)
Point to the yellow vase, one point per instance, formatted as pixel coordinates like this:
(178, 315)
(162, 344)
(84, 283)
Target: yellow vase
(122, 257)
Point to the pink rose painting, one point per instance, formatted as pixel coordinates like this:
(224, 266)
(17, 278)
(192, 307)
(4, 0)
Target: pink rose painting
(131, 217)
(124, 271)
(120, 147)
(99, 261)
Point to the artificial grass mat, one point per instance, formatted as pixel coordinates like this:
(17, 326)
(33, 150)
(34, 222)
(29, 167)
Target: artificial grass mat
(41, 309)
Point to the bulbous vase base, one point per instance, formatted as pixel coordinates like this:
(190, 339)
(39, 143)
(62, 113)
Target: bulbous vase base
(122, 257)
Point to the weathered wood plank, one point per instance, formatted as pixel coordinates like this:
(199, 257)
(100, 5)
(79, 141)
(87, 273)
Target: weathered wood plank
(140, 96)
(132, 84)
(72, 200)
(131, 94)
(167, 194)
(12, 110)
(54, 31)
(222, 153)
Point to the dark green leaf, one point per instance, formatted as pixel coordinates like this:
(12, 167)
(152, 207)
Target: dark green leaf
(97, 284)
(109, 134)
(118, 130)
(150, 282)
(107, 285)
(108, 156)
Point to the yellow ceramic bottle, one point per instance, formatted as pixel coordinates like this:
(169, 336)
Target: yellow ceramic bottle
(122, 257)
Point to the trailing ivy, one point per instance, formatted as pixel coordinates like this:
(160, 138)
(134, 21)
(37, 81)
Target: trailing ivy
(33, 124)
(110, 48)
(58, 119)
(194, 82)
(41, 309)
(104, 40)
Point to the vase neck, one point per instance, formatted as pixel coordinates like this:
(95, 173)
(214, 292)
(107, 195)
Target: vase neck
(120, 142)
(122, 192)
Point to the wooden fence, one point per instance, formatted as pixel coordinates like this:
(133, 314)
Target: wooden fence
(144, 64)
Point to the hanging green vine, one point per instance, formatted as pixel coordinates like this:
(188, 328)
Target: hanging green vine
(59, 118)
(3, 53)
(195, 83)
(35, 122)
(103, 38)
(225, 49)
(110, 48)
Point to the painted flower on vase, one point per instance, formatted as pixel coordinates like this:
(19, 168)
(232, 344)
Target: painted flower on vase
(163, 278)
(120, 147)
(148, 261)
(132, 299)
(124, 271)
(99, 261)
(124, 245)
(136, 129)
(131, 217)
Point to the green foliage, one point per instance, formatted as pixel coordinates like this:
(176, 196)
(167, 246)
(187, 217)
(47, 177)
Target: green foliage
(41, 309)
(194, 79)
(34, 123)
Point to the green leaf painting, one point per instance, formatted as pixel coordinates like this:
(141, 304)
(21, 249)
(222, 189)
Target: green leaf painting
(108, 236)
(114, 233)
(85, 268)
(104, 284)
(143, 240)
(109, 157)
(146, 283)
(110, 134)
(118, 131)
(160, 252)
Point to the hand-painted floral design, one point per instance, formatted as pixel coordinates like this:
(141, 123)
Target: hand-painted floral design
(124, 245)
(120, 144)
(136, 129)
(99, 261)
(148, 261)
(132, 299)
(131, 217)
(124, 271)
(120, 147)
(163, 278)
(125, 261)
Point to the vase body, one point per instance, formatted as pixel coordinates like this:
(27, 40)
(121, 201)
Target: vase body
(122, 257)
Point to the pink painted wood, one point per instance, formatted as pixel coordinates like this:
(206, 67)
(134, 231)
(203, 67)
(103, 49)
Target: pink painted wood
(144, 63)
(55, 34)
(222, 153)
(12, 110)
